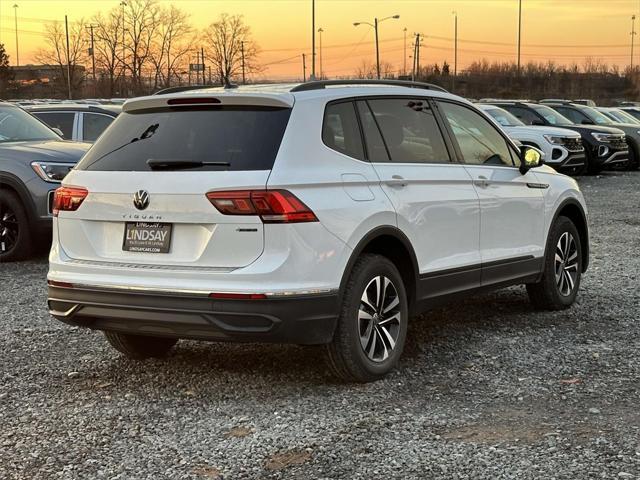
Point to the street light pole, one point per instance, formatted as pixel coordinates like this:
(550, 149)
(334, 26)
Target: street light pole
(123, 82)
(320, 30)
(66, 28)
(519, 31)
(93, 60)
(455, 50)
(15, 17)
(375, 28)
(313, 40)
(633, 34)
(404, 60)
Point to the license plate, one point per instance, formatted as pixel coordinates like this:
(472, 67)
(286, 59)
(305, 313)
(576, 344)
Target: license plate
(147, 237)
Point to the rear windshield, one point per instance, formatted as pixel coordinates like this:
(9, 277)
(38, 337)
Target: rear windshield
(224, 138)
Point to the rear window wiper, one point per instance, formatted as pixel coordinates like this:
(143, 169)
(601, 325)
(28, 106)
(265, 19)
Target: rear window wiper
(176, 164)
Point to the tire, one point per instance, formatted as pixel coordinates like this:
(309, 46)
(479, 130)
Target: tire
(139, 347)
(15, 232)
(362, 327)
(555, 292)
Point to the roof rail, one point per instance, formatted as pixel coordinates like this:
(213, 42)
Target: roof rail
(320, 84)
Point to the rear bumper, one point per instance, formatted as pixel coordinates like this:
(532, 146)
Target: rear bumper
(309, 319)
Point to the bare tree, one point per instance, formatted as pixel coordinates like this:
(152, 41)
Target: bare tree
(228, 43)
(174, 39)
(141, 20)
(108, 44)
(55, 52)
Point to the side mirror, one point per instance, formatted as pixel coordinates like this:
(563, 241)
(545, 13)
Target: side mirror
(538, 123)
(587, 122)
(530, 157)
(58, 131)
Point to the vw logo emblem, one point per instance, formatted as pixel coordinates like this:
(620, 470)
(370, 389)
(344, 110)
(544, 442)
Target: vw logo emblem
(141, 199)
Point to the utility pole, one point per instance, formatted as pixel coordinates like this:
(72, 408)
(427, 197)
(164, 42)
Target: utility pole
(244, 80)
(204, 72)
(633, 34)
(413, 66)
(93, 61)
(123, 82)
(313, 40)
(304, 68)
(455, 50)
(320, 30)
(15, 18)
(519, 31)
(404, 68)
(66, 28)
(417, 54)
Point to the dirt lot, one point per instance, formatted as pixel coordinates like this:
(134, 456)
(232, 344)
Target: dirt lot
(487, 389)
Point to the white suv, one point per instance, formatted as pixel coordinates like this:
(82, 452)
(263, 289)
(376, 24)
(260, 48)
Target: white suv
(327, 213)
(562, 148)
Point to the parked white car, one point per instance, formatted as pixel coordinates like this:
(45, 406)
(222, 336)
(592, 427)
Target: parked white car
(323, 213)
(563, 148)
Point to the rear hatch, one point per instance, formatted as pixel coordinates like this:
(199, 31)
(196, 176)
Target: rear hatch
(148, 177)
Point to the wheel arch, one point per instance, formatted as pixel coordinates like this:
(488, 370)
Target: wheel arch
(573, 210)
(392, 243)
(13, 184)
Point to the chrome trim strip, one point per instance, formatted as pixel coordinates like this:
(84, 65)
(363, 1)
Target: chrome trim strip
(205, 293)
(149, 266)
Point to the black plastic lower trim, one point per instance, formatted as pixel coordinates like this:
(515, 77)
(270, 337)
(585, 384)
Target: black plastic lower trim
(309, 319)
(437, 288)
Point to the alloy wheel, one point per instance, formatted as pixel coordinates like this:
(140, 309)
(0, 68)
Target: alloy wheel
(379, 318)
(9, 229)
(566, 264)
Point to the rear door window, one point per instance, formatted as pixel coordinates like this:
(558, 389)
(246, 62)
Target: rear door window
(409, 130)
(93, 124)
(60, 120)
(211, 138)
(340, 130)
(573, 114)
(376, 150)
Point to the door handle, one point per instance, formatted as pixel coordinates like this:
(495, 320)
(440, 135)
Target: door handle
(396, 181)
(481, 182)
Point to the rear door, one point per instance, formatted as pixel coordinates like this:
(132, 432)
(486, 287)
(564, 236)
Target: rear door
(92, 125)
(227, 147)
(511, 204)
(436, 204)
(66, 122)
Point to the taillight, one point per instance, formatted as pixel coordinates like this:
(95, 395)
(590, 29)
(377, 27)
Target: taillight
(273, 206)
(68, 199)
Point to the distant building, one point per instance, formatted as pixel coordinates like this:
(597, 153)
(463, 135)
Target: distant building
(30, 74)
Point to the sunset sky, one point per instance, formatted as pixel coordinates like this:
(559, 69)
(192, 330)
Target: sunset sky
(561, 30)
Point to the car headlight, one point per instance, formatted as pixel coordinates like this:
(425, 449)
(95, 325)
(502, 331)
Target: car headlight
(51, 172)
(602, 137)
(554, 140)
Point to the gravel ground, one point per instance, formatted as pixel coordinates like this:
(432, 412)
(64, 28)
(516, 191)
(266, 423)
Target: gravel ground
(486, 389)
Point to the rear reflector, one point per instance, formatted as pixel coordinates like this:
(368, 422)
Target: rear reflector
(238, 296)
(193, 101)
(68, 199)
(273, 206)
(53, 283)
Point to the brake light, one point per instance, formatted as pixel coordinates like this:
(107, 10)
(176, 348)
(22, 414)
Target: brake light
(193, 101)
(68, 199)
(273, 206)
